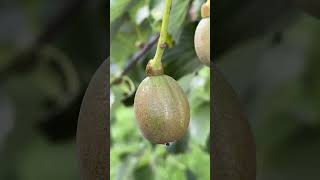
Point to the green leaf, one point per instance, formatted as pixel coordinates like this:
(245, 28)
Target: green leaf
(139, 12)
(142, 14)
(144, 172)
(157, 9)
(181, 59)
(117, 8)
(170, 168)
(178, 15)
(124, 128)
(200, 123)
(123, 46)
(125, 169)
(198, 162)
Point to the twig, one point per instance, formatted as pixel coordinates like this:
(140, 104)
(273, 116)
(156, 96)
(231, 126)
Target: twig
(136, 57)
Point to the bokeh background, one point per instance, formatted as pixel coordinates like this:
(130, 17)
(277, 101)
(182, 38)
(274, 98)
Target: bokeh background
(134, 29)
(49, 50)
(269, 52)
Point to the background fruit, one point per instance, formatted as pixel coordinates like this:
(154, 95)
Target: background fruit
(234, 156)
(161, 109)
(202, 41)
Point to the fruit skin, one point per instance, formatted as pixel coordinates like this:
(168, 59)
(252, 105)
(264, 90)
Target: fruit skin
(93, 128)
(161, 109)
(234, 152)
(202, 41)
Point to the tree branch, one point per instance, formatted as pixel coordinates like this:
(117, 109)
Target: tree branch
(136, 57)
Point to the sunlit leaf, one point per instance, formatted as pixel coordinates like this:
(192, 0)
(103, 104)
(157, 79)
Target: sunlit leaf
(117, 7)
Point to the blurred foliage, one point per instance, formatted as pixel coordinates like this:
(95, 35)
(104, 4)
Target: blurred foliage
(276, 74)
(48, 53)
(133, 23)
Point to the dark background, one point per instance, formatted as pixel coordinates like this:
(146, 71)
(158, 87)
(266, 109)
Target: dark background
(269, 52)
(48, 52)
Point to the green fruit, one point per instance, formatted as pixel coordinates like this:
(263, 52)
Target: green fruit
(161, 109)
(234, 154)
(202, 41)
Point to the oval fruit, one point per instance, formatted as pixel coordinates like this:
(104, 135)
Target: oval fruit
(202, 41)
(161, 109)
(234, 153)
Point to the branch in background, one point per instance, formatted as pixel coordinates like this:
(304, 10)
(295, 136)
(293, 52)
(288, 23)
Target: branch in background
(136, 57)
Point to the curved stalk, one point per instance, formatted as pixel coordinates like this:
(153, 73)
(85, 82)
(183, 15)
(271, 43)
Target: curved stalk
(156, 63)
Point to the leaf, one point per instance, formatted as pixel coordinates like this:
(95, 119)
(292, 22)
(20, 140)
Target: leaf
(157, 9)
(200, 123)
(119, 155)
(198, 162)
(126, 169)
(123, 46)
(145, 172)
(181, 59)
(197, 88)
(125, 128)
(170, 168)
(178, 15)
(142, 14)
(117, 8)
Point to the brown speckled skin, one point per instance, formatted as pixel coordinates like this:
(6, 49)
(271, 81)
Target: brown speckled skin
(162, 109)
(234, 155)
(202, 41)
(92, 139)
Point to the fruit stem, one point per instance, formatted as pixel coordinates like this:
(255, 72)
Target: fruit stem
(156, 61)
(205, 9)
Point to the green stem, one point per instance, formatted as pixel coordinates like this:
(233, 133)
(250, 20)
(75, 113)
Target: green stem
(156, 61)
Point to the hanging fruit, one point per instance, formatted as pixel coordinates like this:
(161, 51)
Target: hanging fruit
(202, 35)
(160, 105)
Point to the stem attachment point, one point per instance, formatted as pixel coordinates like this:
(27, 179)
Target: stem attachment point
(154, 68)
(205, 10)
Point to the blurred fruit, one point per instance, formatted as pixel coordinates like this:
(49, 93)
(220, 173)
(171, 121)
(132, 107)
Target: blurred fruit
(234, 156)
(92, 140)
(202, 41)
